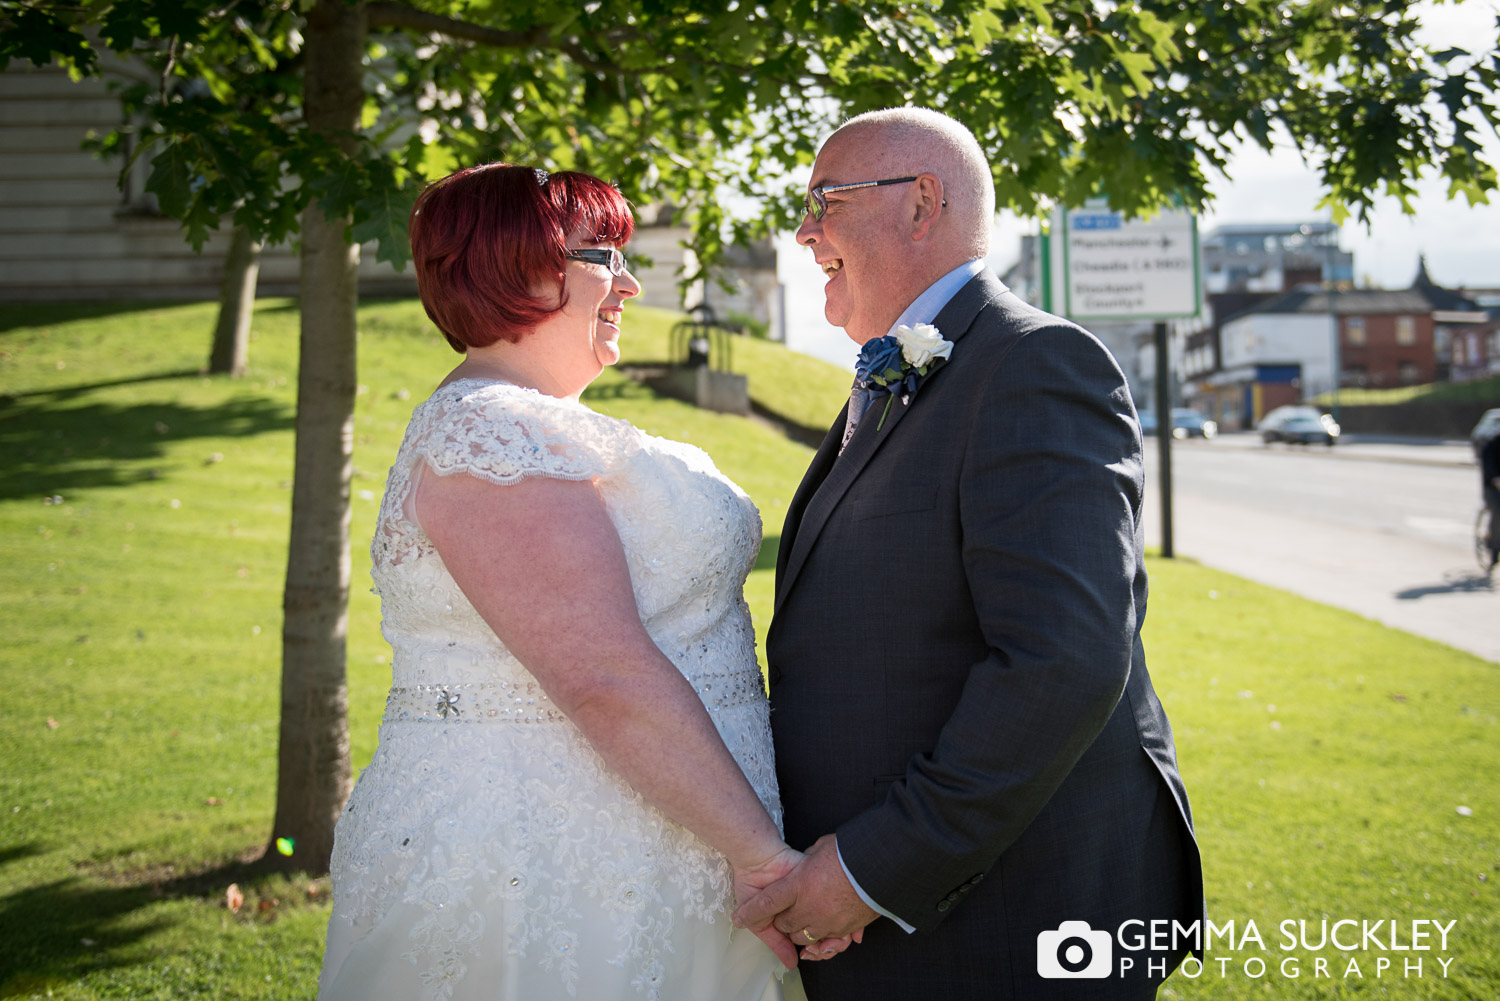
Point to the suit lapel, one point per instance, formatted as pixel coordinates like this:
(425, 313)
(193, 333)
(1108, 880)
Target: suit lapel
(820, 494)
(817, 471)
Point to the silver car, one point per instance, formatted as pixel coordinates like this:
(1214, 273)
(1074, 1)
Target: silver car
(1299, 426)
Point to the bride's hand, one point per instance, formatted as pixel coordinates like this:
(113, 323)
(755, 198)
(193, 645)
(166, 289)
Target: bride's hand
(750, 879)
(830, 947)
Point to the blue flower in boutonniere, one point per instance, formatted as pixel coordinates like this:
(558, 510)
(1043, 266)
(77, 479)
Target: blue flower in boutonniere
(898, 362)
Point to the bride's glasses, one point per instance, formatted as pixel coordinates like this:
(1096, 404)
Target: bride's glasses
(610, 257)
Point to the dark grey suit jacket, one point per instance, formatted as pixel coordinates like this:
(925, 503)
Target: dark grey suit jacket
(958, 686)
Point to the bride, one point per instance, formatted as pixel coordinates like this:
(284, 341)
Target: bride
(574, 776)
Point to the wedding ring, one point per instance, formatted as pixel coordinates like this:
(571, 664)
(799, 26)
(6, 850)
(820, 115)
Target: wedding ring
(809, 936)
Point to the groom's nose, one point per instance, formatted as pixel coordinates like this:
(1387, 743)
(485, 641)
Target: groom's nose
(810, 231)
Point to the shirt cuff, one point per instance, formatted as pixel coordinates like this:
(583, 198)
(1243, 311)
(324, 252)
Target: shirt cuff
(865, 896)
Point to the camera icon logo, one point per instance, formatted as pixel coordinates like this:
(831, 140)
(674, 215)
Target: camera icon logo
(1074, 952)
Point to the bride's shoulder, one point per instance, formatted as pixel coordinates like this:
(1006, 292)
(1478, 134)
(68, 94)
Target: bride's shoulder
(479, 425)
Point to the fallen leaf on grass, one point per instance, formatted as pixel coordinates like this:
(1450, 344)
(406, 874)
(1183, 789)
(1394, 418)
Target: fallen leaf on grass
(213, 801)
(52, 724)
(233, 898)
(266, 905)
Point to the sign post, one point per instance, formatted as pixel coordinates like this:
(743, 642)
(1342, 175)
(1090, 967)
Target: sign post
(1115, 269)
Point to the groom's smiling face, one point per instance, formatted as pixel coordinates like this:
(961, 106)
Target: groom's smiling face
(858, 242)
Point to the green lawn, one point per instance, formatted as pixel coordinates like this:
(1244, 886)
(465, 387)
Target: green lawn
(143, 516)
(1485, 390)
(793, 387)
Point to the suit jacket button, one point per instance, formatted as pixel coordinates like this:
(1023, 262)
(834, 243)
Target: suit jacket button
(943, 905)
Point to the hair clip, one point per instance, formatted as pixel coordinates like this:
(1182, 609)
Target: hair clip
(541, 177)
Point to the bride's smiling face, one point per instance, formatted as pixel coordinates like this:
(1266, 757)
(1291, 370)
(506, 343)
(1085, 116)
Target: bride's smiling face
(584, 335)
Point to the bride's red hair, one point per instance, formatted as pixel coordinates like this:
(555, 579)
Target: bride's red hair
(488, 243)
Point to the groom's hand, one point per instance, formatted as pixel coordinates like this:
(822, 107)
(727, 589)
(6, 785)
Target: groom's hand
(752, 878)
(812, 903)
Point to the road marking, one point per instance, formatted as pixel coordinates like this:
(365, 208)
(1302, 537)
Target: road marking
(1441, 527)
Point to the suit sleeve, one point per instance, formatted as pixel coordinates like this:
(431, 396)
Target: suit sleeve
(1049, 495)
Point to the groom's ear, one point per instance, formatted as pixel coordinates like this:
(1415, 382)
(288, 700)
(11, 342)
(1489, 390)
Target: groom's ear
(927, 205)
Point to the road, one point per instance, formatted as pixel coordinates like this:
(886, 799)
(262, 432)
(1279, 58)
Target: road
(1381, 529)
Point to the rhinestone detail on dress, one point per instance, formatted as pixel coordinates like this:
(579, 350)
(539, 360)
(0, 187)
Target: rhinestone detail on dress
(525, 702)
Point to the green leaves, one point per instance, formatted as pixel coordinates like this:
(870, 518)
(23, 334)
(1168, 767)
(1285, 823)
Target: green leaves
(686, 102)
(171, 180)
(40, 34)
(381, 217)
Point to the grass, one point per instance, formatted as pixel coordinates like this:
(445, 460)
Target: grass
(792, 387)
(1326, 755)
(1485, 390)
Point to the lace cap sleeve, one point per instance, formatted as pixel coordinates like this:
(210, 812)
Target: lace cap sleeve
(503, 433)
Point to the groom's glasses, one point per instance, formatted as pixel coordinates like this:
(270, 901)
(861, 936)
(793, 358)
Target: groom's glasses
(816, 202)
(610, 257)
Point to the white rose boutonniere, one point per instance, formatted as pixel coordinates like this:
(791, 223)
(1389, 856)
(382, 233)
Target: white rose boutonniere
(898, 362)
(921, 344)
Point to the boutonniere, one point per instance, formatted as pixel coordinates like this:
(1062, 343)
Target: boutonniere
(898, 362)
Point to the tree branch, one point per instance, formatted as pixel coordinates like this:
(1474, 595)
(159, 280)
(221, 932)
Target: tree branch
(399, 15)
(387, 14)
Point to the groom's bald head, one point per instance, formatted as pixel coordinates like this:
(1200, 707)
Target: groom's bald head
(908, 141)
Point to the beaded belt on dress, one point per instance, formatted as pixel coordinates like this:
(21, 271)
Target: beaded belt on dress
(525, 702)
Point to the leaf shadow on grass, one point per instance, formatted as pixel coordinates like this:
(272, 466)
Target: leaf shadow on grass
(68, 392)
(67, 927)
(47, 448)
(14, 853)
(45, 314)
(73, 926)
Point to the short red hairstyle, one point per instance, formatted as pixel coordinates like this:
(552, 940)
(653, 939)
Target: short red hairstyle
(485, 239)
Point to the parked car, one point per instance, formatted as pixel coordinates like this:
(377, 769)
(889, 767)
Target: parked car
(1299, 426)
(1487, 428)
(1186, 423)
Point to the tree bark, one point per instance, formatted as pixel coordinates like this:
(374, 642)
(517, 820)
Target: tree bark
(313, 778)
(231, 349)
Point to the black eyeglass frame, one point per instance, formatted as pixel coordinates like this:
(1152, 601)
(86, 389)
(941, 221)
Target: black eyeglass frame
(815, 202)
(610, 257)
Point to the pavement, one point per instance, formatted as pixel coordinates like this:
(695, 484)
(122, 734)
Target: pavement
(1411, 449)
(1427, 586)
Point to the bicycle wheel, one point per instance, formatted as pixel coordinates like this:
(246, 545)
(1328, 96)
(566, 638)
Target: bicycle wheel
(1482, 552)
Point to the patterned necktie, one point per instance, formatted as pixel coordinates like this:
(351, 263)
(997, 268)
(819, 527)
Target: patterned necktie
(859, 402)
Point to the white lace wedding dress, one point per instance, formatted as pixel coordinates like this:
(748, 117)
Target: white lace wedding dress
(487, 852)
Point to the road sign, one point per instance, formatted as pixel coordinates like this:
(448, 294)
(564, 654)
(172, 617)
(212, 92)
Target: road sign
(1115, 268)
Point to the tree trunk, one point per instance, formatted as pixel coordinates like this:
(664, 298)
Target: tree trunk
(231, 350)
(313, 777)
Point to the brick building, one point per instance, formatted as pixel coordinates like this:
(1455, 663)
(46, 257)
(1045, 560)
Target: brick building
(1288, 348)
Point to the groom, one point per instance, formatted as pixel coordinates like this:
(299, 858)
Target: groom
(965, 731)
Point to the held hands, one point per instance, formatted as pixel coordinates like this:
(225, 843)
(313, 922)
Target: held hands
(750, 880)
(811, 900)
